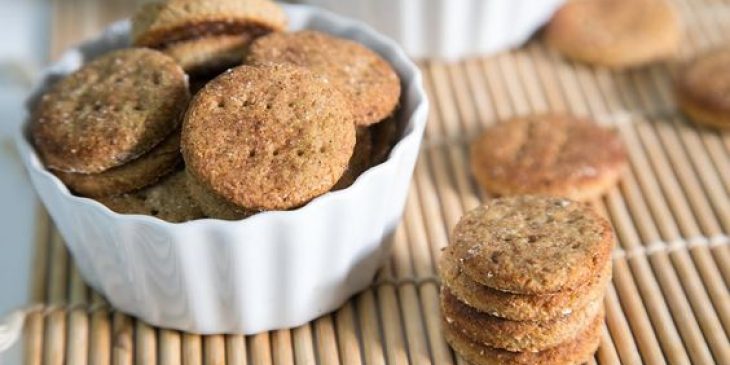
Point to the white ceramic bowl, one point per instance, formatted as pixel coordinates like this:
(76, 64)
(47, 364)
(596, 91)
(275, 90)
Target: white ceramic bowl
(273, 270)
(450, 29)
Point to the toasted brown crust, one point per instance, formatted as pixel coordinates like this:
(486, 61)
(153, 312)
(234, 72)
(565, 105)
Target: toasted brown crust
(519, 307)
(212, 205)
(703, 88)
(160, 24)
(616, 33)
(111, 111)
(268, 138)
(532, 245)
(211, 54)
(168, 200)
(360, 160)
(515, 335)
(573, 352)
(144, 171)
(368, 81)
(555, 155)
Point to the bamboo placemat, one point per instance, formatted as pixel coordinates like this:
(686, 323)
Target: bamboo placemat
(669, 302)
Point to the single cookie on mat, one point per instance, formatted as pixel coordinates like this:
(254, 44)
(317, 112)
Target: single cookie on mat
(268, 138)
(572, 352)
(366, 79)
(111, 111)
(168, 200)
(515, 336)
(212, 205)
(519, 307)
(555, 155)
(360, 160)
(134, 175)
(616, 33)
(205, 35)
(532, 245)
(703, 88)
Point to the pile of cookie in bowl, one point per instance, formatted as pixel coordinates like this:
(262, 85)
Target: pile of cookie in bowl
(216, 111)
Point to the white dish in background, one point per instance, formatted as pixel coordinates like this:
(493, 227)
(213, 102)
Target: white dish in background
(450, 29)
(273, 270)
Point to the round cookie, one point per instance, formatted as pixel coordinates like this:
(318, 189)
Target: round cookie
(703, 88)
(111, 111)
(368, 81)
(207, 55)
(212, 205)
(144, 171)
(360, 160)
(515, 336)
(518, 307)
(532, 245)
(268, 138)
(615, 33)
(549, 155)
(168, 200)
(158, 25)
(574, 352)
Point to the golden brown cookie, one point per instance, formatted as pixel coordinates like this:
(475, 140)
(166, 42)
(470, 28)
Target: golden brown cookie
(360, 160)
(519, 307)
(573, 352)
(144, 171)
(385, 136)
(160, 24)
(555, 155)
(616, 33)
(703, 88)
(532, 245)
(111, 111)
(205, 36)
(212, 205)
(368, 81)
(168, 200)
(211, 54)
(515, 336)
(268, 138)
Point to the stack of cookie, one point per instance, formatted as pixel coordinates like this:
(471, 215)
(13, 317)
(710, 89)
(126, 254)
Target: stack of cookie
(277, 119)
(702, 88)
(524, 280)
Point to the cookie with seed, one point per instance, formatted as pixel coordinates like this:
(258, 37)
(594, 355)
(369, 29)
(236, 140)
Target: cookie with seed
(111, 111)
(616, 33)
(532, 245)
(555, 155)
(212, 205)
(703, 88)
(519, 307)
(268, 138)
(368, 81)
(360, 160)
(572, 352)
(168, 200)
(515, 336)
(205, 35)
(144, 171)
